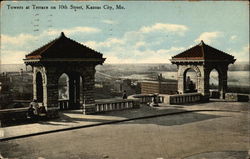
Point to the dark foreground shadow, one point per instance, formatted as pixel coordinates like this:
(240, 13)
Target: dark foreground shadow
(220, 155)
(174, 120)
(141, 115)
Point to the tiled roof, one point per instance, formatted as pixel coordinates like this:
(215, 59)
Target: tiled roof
(203, 51)
(64, 47)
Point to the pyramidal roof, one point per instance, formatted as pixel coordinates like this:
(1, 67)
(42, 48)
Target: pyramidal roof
(205, 52)
(63, 47)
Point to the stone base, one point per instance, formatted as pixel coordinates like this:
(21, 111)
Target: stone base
(154, 104)
(52, 112)
(136, 103)
(88, 109)
(236, 97)
(214, 94)
(204, 98)
(185, 98)
(222, 95)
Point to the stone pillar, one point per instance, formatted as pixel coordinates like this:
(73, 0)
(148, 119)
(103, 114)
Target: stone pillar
(71, 91)
(200, 79)
(223, 83)
(81, 92)
(181, 82)
(77, 88)
(205, 85)
(41, 71)
(52, 94)
(88, 93)
(74, 91)
(180, 78)
(34, 84)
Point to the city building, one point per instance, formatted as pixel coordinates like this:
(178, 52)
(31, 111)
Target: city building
(160, 87)
(125, 85)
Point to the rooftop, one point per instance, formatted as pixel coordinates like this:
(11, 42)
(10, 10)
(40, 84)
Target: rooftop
(205, 52)
(165, 81)
(63, 48)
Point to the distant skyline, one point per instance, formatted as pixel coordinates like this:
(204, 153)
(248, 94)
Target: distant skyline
(143, 32)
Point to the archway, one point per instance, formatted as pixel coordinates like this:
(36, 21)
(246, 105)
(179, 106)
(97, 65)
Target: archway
(214, 83)
(63, 87)
(69, 88)
(39, 87)
(203, 58)
(74, 90)
(214, 80)
(63, 91)
(64, 55)
(190, 81)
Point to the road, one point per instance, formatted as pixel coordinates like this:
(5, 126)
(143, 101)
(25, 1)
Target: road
(169, 137)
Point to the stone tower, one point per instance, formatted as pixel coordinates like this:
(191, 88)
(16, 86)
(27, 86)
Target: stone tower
(64, 55)
(203, 58)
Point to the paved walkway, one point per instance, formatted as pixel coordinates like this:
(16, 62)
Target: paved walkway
(75, 119)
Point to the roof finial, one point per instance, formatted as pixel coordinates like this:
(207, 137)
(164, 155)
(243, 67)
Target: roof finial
(62, 34)
(202, 42)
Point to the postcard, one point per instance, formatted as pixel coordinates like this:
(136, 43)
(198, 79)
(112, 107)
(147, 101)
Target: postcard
(124, 79)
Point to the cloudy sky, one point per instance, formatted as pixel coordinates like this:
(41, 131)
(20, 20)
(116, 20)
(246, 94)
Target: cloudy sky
(143, 32)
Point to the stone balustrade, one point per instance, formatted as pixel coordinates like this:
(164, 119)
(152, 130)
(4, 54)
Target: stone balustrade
(12, 114)
(237, 97)
(182, 98)
(104, 105)
(146, 98)
(116, 104)
(5, 99)
(214, 94)
(63, 104)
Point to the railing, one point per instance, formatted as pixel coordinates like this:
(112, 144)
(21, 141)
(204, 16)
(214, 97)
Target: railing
(5, 99)
(63, 104)
(13, 114)
(147, 98)
(237, 97)
(183, 98)
(214, 94)
(21, 101)
(116, 104)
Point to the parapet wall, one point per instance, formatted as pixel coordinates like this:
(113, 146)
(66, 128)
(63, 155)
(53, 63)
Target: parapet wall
(237, 97)
(182, 98)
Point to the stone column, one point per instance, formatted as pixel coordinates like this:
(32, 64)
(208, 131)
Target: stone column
(77, 88)
(34, 83)
(180, 78)
(41, 71)
(223, 83)
(205, 85)
(181, 84)
(88, 92)
(74, 91)
(52, 94)
(81, 92)
(71, 91)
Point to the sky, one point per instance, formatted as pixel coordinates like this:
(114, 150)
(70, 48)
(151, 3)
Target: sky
(142, 32)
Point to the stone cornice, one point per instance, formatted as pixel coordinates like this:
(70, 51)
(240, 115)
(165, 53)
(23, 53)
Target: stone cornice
(175, 61)
(59, 60)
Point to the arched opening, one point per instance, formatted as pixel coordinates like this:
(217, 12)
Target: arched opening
(74, 94)
(190, 81)
(39, 87)
(63, 91)
(69, 88)
(214, 84)
(63, 87)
